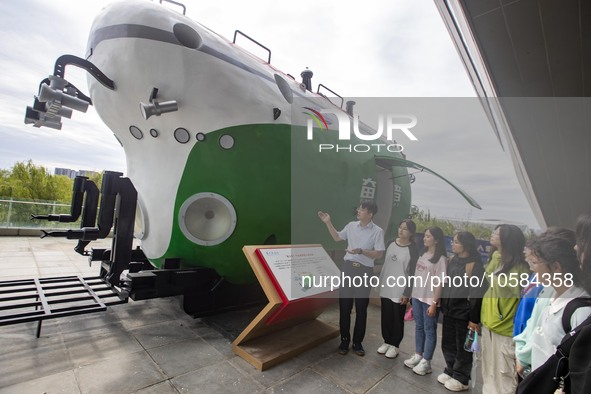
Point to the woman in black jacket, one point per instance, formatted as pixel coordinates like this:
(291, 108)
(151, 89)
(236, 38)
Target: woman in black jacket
(460, 304)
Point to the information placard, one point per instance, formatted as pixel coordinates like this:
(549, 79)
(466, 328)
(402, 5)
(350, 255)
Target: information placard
(299, 272)
(286, 328)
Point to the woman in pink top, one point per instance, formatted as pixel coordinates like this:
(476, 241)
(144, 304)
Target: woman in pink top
(428, 278)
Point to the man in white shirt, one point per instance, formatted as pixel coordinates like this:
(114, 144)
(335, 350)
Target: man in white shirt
(365, 243)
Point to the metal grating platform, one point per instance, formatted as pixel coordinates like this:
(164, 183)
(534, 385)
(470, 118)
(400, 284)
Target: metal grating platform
(39, 299)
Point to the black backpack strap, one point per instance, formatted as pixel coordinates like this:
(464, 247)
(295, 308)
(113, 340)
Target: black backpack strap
(570, 308)
(569, 338)
(389, 243)
(412, 265)
(556, 369)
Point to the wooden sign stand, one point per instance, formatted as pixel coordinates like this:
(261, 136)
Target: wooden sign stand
(264, 345)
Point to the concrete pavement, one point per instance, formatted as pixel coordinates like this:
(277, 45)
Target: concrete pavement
(154, 347)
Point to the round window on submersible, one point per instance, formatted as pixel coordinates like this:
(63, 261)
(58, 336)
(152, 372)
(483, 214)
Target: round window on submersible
(186, 35)
(226, 141)
(136, 132)
(182, 135)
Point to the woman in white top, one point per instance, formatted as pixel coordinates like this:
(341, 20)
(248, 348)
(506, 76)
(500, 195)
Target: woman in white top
(523, 340)
(396, 287)
(428, 278)
(558, 267)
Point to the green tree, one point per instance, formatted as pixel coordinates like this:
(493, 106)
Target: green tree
(63, 188)
(32, 182)
(5, 183)
(424, 220)
(33, 186)
(479, 231)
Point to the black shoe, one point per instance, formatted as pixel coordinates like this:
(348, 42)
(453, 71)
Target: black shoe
(344, 347)
(358, 349)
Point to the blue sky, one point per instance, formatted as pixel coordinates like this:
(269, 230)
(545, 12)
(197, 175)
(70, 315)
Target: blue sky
(392, 49)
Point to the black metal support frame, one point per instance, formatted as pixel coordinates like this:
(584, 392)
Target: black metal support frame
(74, 295)
(203, 292)
(85, 193)
(124, 272)
(31, 300)
(76, 206)
(117, 211)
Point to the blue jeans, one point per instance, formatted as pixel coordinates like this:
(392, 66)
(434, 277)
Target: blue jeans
(425, 329)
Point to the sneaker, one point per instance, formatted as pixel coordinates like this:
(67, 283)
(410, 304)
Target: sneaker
(344, 346)
(443, 377)
(392, 352)
(455, 385)
(423, 367)
(413, 361)
(358, 349)
(384, 348)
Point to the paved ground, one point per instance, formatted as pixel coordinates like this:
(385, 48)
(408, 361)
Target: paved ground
(154, 347)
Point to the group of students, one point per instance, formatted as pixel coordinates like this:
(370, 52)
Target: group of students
(460, 303)
(516, 303)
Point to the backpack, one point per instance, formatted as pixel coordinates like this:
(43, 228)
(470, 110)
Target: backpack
(555, 372)
(580, 365)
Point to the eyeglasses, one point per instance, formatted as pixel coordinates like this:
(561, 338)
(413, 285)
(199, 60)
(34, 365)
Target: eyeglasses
(534, 261)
